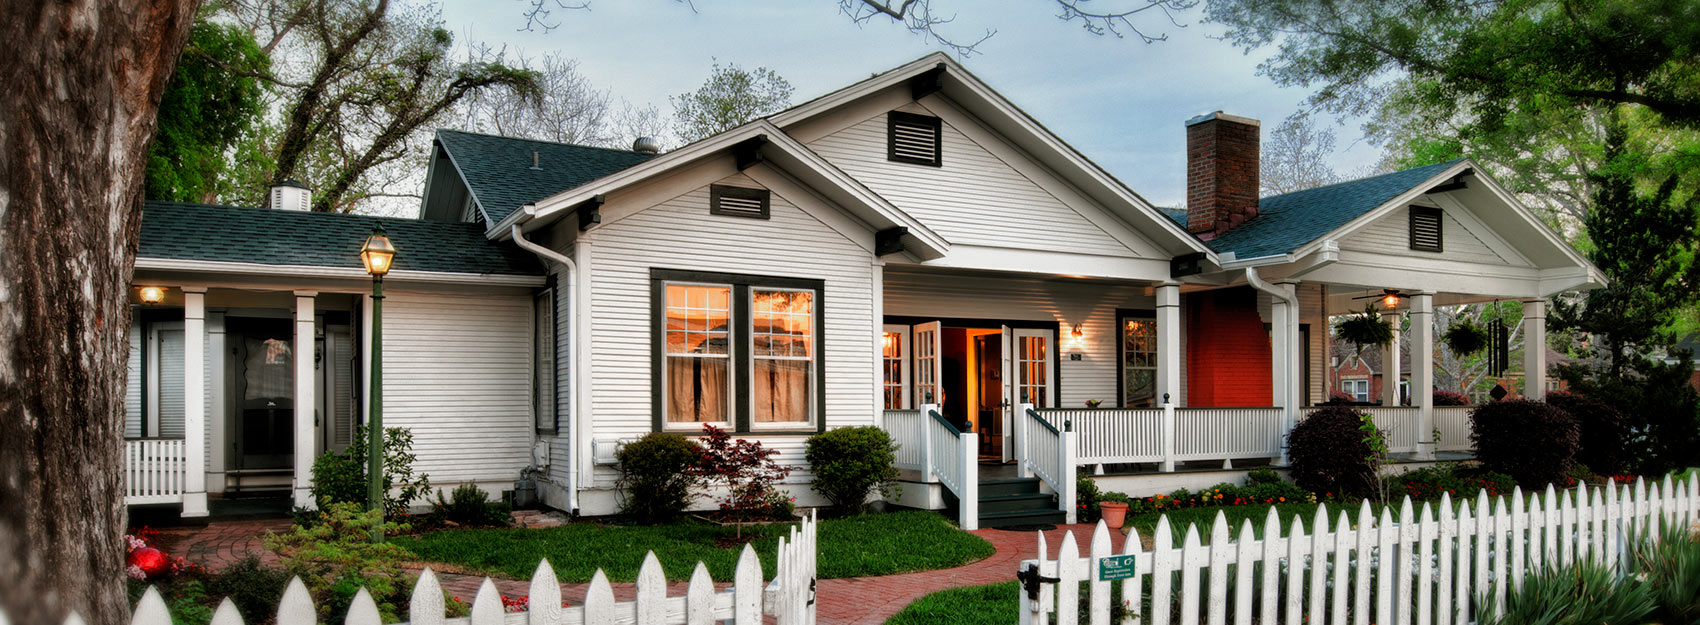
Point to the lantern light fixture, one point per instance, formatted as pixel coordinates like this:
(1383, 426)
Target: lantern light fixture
(378, 253)
(152, 294)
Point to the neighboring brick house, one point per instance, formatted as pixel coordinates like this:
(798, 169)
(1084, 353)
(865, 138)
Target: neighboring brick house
(1359, 374)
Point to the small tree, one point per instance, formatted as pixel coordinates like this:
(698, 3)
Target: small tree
(729, 98)
(1331, 454)
(746, 469)
(341, 477)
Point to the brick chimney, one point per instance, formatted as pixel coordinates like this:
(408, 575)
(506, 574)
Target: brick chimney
(1221, 172)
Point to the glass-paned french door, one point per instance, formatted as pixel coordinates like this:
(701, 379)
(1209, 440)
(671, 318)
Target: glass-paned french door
(1139, 362)
(1034, 382)
(928, 366)
(894, 367)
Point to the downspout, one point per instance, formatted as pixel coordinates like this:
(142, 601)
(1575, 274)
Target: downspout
(572, 353)
(1289, 411)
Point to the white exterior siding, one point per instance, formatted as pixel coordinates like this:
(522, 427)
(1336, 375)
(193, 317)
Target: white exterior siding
(1093, 305)
(457, 373)
(973, 198)
(1391, 235)
(133, 381)
(681, 234)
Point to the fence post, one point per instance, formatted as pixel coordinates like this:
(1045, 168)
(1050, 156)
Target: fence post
(927, 442)
(1065, 473)
(969, 456)
(1168, 464)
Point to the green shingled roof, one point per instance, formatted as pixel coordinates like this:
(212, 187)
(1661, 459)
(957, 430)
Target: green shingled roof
(498, 169)
(1288, 221)
(205, 232)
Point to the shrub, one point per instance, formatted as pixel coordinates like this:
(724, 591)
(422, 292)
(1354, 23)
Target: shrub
(337, 558)
(1585, 593)
(1429, 483)
(1530, 441)
(1449, 398)
(253, 587)
(1339, 398)
(850, 462)
(1604, 432)
(1086, 499)
(747, 469)
(470, 505)
(1330, 456)
(1671, 568)
(657, 473)
(1263, 475)
(341, 477)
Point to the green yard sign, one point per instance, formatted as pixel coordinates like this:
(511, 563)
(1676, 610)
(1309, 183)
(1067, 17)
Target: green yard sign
(1113, 568)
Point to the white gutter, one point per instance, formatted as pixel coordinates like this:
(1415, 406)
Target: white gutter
(1288, 343)
(546, 255)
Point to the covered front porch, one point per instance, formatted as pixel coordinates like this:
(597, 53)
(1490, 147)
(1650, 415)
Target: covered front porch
(233, 391)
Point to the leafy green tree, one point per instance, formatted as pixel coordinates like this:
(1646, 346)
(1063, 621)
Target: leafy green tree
(729, 98)
(213, 102)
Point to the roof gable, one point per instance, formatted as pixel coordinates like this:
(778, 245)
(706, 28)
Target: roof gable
(938, 77)
(179, 231)
(1288, 221)
(505, 173)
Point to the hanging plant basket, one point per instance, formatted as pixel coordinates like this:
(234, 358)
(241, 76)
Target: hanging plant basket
(1365, 328)
(1466, 338)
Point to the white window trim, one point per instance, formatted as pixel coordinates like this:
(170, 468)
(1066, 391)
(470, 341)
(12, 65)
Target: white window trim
(667, 423)
(814, 353)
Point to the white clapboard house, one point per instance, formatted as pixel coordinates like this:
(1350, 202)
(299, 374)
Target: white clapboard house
(911, 251)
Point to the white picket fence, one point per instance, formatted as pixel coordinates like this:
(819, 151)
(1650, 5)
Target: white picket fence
(789, 598)
(153, 471)
(931, 446)
(1424, 570)
(1047, 451)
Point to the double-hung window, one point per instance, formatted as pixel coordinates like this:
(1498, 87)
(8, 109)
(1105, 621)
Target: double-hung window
(737, 351)
(1358, 389)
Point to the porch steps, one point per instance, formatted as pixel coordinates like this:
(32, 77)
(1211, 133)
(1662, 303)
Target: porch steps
(1016, 502)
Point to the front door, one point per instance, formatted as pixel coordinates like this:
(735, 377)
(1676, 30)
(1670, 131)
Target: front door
(989, 388)
(929, 368)
(262, 357)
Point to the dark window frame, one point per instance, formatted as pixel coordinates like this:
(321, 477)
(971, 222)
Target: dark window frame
(1423, 213)
(549, 294)
(718, 191)
(742, 362)
(894, 118)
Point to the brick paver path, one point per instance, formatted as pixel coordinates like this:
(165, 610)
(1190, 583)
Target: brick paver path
(855, 600)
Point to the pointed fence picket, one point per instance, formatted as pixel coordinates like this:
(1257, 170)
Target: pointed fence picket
(1433, 567)
(789, 598)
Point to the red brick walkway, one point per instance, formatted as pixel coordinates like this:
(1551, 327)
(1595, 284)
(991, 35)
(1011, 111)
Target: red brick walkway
(854, 600)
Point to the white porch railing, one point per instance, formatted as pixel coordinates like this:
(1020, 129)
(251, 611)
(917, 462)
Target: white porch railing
(154, 471)
(1399, 426)
(789, 598)
(1227, 433)
(1324, 568)
(930, 445)
(1046, 450)
(1113, 436)
(1454, 425)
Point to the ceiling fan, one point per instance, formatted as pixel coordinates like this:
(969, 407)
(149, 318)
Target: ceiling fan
(1389, 297)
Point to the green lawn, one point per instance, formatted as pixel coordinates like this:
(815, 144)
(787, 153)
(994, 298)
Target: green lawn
(873, 544)
(996, 604)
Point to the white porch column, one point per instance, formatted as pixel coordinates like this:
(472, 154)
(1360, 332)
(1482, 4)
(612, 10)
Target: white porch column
(1422, 371)
(1390, 363)
(877, 268)
(1168, 344)
(1284, 359)
(194, 402)
(1535, 349)
(304, 400)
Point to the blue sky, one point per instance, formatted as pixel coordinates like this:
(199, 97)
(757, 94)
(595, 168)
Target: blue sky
(1119, 101)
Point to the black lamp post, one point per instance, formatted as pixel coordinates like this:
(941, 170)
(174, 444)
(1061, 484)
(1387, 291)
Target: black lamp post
(377, 255)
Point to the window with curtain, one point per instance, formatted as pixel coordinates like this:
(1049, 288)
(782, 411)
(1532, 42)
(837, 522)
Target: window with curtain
(738, 351)
(782, 348)
(1139, 362)
(698, 354)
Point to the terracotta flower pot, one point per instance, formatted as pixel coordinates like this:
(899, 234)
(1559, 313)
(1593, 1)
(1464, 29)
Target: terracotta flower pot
(1114, 513)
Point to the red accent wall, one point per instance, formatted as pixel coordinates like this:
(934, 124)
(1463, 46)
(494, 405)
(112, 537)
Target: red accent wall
(1227, 350)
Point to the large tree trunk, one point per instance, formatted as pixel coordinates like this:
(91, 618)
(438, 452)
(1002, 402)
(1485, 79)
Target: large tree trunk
(83, 82)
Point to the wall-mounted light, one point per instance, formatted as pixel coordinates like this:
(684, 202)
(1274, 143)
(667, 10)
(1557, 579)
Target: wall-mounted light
(1078, 333)
(152, 294)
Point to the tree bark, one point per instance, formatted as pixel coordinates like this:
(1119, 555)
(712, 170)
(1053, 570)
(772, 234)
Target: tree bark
(83, 84)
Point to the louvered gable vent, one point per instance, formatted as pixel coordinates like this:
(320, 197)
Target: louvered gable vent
(1425, 229)
(912, 138)
(738, 201)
